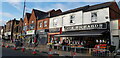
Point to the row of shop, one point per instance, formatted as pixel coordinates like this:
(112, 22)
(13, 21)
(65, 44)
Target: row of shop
(98, 33)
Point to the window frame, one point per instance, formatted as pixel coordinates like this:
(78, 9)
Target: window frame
(72, 18)
(55, 22)
(94, 19)
(45, 24)
(40, 24)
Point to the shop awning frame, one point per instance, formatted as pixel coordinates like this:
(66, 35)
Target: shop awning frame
(81, 33)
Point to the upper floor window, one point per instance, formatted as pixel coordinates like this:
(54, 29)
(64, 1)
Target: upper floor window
(40, 24)
(45, 23)
(25, 28)
(72, 18)
(94, 17)
(32, 21)
(25, 23)
(31, 26)
(55, 22)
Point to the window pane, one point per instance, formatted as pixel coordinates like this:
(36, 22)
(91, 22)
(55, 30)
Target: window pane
(94, 17)
(45, 23)
(55, 22)
(72, 18)
(40, 24)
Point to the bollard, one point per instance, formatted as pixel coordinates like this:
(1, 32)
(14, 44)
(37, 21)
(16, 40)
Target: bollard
(7, 46)
(14, 48)
(34, 51)
(23, 49)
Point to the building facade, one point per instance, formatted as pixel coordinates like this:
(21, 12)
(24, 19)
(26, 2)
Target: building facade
(9, 29)
(43, 26)
(88, 25)
(26, 24)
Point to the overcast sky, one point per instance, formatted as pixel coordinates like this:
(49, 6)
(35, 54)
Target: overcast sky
(14, 8)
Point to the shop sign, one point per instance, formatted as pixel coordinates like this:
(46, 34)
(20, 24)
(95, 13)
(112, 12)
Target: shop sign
(30, 32)
(44, 31)
(52, 30)
(86, 27)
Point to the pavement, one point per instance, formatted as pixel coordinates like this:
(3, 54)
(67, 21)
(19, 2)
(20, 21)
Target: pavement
(43, 49)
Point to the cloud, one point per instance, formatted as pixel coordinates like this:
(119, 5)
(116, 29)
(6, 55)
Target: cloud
(59, 0)
(5, 14)
(17, 5)
(2, 22)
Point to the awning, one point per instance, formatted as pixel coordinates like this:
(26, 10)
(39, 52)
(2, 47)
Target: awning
(82, 33)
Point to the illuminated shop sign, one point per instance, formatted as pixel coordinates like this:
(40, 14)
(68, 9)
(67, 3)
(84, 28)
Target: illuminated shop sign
(86, 27)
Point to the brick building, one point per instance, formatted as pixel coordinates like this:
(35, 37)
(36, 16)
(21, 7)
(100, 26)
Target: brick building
(43, 26)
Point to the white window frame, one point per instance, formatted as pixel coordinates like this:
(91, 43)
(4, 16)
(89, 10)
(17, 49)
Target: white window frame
(40, 24)
(94, 19)
(45, 23)
(72, 18)
(55, 22)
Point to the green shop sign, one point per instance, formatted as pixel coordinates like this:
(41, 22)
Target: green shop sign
(30, 31)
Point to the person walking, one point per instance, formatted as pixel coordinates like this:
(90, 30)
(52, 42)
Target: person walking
(35, 42)
(30, 42)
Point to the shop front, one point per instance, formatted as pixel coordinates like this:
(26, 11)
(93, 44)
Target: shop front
(42, 36)
(30, 35)
(85, 36)
(52, 32)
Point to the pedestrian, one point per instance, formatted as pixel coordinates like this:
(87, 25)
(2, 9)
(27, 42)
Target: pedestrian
(30, 42)
(35, 42)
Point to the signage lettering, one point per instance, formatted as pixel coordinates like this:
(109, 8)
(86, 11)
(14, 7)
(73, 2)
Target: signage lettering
(86, 27)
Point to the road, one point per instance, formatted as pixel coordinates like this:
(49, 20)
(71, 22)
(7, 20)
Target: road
(10, 53)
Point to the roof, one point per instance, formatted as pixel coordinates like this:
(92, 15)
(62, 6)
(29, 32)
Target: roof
(99, 6)
(39, 14)
(28, 15)
(87, 8)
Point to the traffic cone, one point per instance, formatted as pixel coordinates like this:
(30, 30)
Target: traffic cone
(34, 51)
(74, 54)
(3, 44)
(50, 53)
(23, 49)
(14, 48)
(7, 46)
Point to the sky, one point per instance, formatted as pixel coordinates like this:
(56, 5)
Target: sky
(11, 9)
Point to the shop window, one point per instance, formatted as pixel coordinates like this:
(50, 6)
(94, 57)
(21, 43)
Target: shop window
(40, 24)
(94, 17)
(55, 22)
(45, 23)
(72, 19)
